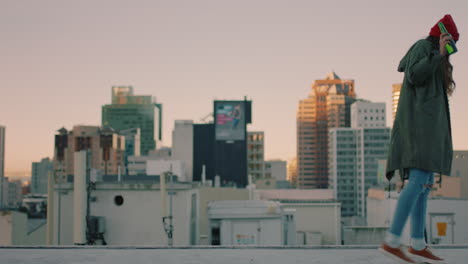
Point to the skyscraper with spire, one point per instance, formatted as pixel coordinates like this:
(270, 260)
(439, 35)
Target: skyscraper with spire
(327, 106)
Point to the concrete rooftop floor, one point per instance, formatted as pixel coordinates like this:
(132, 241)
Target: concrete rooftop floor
(212, 255)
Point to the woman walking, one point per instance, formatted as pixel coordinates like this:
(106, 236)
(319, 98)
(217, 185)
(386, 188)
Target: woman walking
(421, 141)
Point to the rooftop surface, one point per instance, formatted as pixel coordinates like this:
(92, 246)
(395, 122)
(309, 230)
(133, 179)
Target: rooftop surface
(212, 255)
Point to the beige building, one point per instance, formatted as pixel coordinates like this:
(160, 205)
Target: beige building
(460, 170)
(265, 183)
(445, 218)
(208, 194)
(455, 185)
(327, 106)
(118, 203)
(317, 213)
(396, 88)
(450, 187)
(106, 146)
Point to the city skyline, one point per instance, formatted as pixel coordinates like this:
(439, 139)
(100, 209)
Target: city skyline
(59, 64)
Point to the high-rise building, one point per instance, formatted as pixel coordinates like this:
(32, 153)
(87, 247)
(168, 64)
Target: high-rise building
(396, 88)
(221, 148)
(107, 150)
(230, 124)
(327, 106)
(354, 155)
(367, 114)
(343, 155)
(182, 146)
(39, 176)
(256, 154)
(2, 162)
(129, 111)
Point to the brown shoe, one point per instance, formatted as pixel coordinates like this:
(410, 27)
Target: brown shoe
(425, 255)
(395, 253)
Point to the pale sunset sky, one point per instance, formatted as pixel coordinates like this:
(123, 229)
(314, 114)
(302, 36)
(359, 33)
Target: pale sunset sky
(59, 59)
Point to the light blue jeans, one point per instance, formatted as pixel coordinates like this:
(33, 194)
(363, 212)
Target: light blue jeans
(413, 201)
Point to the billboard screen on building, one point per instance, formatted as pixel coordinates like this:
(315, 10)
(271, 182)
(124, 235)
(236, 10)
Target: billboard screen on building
(229, 120)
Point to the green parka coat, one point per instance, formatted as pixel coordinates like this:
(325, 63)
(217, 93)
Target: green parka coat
(421, 136)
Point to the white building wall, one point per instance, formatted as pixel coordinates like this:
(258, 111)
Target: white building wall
(381, 214)
(208, 194)
(158, 167)
(22, 236)
(319, 217)
(79, 197)
(368, 114)
(14, 230)
(182, 146)
(242, 232)
(276, 169)
(63, 214)
(137, 165)
(6, 228)
(138, 221)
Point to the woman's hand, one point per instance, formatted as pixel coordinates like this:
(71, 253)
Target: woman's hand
(444, 39)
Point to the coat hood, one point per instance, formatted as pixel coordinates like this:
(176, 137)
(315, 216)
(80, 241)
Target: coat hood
(404, 61)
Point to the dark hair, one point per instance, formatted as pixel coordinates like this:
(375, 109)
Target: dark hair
(446, 67)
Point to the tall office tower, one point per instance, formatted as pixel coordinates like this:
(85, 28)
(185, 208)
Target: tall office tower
(396, 88)
(39, 176)
(231, 119)
(367, 114)
(327, 106)
(182, 146)
(2, 163)
(105, 145)
(222, 147)
(256, 154)
(129, 111)
(354, 154)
